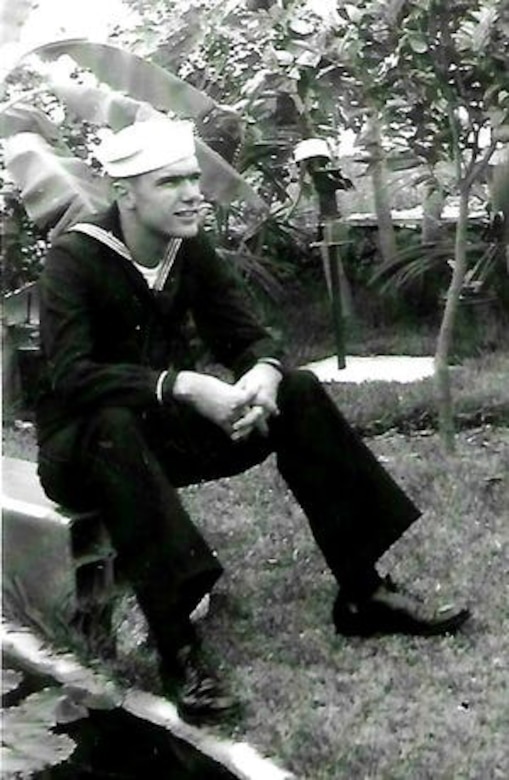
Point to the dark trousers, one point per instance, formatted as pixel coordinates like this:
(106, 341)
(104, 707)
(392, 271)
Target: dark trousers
(131, 463)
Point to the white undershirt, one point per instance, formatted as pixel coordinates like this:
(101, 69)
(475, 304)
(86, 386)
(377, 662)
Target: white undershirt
(150, 274)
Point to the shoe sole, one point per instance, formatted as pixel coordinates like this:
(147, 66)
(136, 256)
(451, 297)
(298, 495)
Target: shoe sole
(208, 716)
(412, 628)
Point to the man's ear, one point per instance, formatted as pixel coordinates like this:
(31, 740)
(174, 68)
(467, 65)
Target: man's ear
(123, 193)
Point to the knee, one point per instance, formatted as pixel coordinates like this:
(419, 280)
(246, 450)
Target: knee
(297, 386)
(113, 424)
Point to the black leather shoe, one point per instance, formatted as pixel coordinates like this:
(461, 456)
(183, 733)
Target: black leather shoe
(199, 696)
(390, 611)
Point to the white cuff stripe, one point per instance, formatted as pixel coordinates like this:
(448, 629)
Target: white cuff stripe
(159, 386)
(272, 362)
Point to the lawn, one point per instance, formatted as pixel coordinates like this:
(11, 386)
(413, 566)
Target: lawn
(328, 707)
(385, 708)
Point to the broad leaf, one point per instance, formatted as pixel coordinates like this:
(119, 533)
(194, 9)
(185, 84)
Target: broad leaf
(103, 106)
(221, 182)
(28, 744)
(133, 75)
(100, 106)
(56, 187)
(24, 118)
(10, 680)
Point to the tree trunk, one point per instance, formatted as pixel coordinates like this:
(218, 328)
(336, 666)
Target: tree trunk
(445, 336)
(378, 168)
(498, 185)
(434, 200)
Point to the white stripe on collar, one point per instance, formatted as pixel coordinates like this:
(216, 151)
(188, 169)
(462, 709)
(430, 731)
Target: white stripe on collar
(118, 246)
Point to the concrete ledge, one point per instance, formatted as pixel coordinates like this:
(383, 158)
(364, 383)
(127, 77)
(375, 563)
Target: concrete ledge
(239, 758)
(61, 561)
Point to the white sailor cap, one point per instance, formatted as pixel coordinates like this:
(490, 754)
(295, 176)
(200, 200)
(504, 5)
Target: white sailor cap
(146, 146)
(311, 147)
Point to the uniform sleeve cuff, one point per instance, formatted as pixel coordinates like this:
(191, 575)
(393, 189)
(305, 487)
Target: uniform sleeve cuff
(274, 362)
(159, 386)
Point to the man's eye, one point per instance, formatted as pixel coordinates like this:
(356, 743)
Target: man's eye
(174, 181)
(194, 177)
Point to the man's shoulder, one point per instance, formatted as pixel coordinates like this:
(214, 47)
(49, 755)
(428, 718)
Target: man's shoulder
(107, 219)
(79, 238)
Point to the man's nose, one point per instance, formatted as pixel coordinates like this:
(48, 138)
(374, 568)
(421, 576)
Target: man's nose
(190, 189)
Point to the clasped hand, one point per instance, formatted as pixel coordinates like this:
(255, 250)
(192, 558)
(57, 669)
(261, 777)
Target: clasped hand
(261, 384)
(239, 408)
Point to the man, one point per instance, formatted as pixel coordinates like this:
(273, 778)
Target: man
(124, 418)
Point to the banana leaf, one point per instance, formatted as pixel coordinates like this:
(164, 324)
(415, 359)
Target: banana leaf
(137, 77)
(56, 187)
(221, 182)
(21, 117)
(101, 106)
(105, 107)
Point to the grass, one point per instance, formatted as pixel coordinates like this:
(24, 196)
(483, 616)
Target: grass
(479, 391)
(395, 707)
(391, 708)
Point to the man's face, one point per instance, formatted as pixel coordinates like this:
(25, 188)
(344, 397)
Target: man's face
(167, 201)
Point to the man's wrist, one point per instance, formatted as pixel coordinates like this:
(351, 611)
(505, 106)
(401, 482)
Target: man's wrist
(183, 386)
(274, 362)
(164, 385)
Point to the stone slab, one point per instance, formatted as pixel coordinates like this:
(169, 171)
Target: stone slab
(54, 560)
(380, 368)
